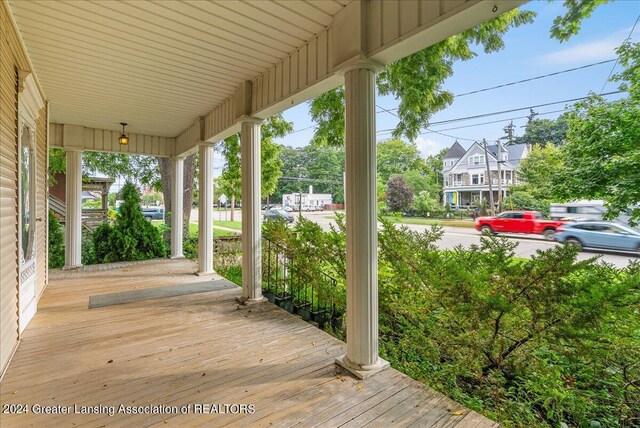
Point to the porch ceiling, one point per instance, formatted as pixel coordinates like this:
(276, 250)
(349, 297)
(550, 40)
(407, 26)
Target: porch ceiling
(157, 65)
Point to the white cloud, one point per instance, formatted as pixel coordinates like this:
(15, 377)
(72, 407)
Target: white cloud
(428, 147)
(598, 50)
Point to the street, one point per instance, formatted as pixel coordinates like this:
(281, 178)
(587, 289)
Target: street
(453, 236)
(527, 244)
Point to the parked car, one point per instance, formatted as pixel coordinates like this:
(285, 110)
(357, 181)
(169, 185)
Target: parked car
(288, 208)
(277, 214)
(530, 222)
(599, 234)
(153, 213)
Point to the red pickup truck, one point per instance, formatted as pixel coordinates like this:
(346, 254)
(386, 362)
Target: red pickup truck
(519, 222)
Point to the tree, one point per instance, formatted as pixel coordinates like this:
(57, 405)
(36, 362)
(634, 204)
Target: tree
(601, 154)
(540, 132)
(135, 168)
(396, 157)
(433, 170)
(293, 165)
(56, 243)
(274, 127)
(521, 199)
(426, 203)
(509, 131)
(231, 178)
(131, 237)
(146, 170)
(188, 179)
(57, 162)
(420, 182)
(327, 110)
(417, 79)
(538, 169)
(569, 24)
(399, 194)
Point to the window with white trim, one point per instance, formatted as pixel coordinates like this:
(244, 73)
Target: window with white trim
(476, 160)
(477, 178)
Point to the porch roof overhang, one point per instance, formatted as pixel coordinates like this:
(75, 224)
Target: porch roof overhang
(187, 72)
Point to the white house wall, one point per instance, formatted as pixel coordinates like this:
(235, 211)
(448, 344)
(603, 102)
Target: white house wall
(15, 69)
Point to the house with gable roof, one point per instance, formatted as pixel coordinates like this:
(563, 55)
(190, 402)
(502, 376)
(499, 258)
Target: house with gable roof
(466, 182)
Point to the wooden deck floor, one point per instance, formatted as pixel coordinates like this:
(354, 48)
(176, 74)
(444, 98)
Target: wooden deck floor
(197, 349)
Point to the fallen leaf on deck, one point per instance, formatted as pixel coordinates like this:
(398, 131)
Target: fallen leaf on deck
(457, 412)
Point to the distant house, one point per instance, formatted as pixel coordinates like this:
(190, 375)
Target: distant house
(311, 199)
(466, 182)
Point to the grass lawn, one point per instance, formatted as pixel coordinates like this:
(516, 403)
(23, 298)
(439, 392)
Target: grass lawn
(193, 228)
(432, 221)
(230, 224)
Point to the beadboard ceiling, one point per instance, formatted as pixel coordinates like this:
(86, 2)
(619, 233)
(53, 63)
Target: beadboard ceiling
(157, 64)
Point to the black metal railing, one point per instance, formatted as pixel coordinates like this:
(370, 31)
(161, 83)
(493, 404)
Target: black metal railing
(291, 284)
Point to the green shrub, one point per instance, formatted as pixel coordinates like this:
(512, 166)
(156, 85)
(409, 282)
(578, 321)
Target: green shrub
(131, 237)
(522, 200)
(545, 341)
(190, 247)
(232, 273)
(56, 242)
(542, 341)
(101, 241)
(312, 254)
(88, 251)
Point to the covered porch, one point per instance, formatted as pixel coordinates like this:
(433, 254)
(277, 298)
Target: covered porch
(185, 76)
(201, 348)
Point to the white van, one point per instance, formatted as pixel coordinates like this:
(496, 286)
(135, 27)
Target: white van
(585, 210)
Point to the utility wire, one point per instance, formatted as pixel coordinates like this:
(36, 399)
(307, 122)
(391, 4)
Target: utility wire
(315, 180)
(496, 121)
(302, 129)
(521, 81)
(535, 78)
(478, 116)
(428, 129)
(390, 111)
(617, 59)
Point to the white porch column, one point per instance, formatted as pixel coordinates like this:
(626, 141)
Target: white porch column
(251, 233)
(177, 191)
(73, 220)
(361, 215)
(205, 211)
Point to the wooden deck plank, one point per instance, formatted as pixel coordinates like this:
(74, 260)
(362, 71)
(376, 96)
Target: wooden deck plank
(198, 348)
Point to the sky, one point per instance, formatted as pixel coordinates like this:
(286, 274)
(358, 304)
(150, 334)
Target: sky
(529, 52)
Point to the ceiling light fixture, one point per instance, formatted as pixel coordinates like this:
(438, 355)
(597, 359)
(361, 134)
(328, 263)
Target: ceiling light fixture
(123, 139)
